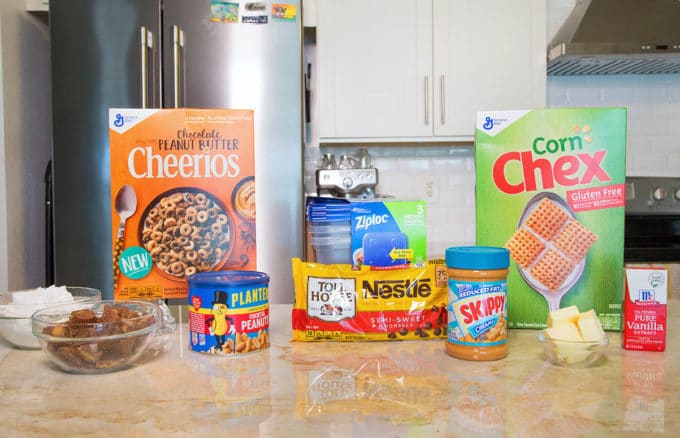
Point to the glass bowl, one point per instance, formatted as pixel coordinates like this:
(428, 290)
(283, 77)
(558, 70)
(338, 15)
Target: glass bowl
(15, 319)
(95, 338)
(577, 354)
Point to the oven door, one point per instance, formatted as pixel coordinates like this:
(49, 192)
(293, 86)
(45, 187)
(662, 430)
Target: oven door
(652, 238)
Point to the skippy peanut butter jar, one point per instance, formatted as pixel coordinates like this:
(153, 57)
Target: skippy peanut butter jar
(550, 187)
(182, 197)
(477, 306)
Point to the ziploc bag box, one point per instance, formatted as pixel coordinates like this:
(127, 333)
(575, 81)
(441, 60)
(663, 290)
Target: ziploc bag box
(550, 187)
(388, 234)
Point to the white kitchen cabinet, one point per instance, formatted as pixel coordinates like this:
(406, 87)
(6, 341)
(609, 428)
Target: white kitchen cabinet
(415, 70)
(374, 66)
(37, 5)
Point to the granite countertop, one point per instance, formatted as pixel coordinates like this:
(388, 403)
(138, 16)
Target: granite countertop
(395, 389)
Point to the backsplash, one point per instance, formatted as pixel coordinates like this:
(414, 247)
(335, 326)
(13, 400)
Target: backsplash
(653, 104)
(444, 176)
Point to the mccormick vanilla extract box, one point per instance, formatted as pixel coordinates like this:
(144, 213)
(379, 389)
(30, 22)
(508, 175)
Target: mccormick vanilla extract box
(644, 308)
(550, 187)
(182, 197)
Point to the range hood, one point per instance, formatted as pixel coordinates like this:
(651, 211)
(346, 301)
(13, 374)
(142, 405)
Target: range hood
(607, 37)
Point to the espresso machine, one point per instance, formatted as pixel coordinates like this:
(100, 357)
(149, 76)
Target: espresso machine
(349, 176)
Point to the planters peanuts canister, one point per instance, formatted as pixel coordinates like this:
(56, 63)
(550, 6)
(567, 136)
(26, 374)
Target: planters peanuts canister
(228, 312)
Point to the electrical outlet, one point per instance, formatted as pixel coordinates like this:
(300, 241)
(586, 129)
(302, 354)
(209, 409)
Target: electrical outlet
(431, 191)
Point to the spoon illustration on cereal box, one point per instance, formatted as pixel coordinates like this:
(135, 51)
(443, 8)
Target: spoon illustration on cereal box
(126, 205)
(550, 246)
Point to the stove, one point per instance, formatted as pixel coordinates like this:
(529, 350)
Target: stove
(652, 232)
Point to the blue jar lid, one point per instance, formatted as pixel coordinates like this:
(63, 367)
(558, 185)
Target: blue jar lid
(477, 257)
(225, 278)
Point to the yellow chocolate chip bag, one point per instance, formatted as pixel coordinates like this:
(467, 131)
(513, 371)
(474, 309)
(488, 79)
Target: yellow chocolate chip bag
(339, 303)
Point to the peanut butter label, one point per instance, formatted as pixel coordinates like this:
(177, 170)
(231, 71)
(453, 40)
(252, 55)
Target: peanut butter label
(182, 197)
(477, 312)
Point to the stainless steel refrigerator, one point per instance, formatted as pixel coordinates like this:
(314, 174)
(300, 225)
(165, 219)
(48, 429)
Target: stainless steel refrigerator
(168, 53)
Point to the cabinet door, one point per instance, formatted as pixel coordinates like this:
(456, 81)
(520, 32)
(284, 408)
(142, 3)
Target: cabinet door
(374, 64)
(488, 55)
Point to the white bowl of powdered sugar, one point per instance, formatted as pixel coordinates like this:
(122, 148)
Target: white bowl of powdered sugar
(17, 307)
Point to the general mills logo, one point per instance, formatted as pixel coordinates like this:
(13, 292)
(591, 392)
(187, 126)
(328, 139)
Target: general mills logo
(645, 295)
(119, 121)
(488, 123)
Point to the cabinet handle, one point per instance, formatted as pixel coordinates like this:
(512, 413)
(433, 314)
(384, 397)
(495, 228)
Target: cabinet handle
(427, 100)
(144, 65)
(442, 99)
(177, 45)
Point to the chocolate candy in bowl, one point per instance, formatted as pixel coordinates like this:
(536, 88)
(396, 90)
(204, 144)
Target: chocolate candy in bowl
(95, 338)
(17, 307)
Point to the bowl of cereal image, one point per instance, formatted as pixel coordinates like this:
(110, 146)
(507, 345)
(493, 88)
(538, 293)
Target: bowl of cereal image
(186, 230)
(243, 198)
(17, 307)
(95, 338)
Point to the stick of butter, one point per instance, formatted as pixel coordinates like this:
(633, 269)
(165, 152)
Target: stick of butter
(560, 316)
(568, 324)
(566, 331)
(589, 326)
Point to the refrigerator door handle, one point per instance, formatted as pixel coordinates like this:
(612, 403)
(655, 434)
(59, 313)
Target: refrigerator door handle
(177, 46)
(144, 65)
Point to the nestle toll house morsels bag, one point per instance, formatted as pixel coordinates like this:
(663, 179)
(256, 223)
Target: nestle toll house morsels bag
(550, 187)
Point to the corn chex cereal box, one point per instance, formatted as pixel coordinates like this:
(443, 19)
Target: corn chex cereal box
(550, 187)
(182, 197)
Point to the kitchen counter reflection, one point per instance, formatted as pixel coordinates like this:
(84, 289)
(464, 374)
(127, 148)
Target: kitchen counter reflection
(349, 390)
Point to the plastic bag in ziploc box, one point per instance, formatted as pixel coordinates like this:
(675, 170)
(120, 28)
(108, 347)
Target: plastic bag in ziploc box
(182, 197)
(550, 187)
(388, 234)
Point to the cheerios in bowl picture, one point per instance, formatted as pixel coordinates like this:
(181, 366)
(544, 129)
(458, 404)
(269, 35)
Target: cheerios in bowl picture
(186, 231)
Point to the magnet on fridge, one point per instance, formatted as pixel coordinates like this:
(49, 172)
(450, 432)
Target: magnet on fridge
(284, 12)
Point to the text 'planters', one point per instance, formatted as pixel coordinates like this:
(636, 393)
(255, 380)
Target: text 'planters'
(228, 312)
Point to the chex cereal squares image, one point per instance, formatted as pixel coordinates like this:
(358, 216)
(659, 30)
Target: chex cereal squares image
(547, 219)
(552, 269)
(575, 240)
(549, 261)
(524, 247)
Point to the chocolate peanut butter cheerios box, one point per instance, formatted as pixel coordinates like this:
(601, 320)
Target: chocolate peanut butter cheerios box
(550, 187)
(182, 197)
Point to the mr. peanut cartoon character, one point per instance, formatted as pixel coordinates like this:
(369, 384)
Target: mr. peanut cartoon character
(219, 323)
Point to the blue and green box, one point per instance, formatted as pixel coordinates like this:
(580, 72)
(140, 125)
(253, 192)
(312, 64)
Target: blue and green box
(388, 233)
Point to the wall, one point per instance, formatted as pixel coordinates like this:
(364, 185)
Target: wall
(653, 104)
(445, 176)
(3, 189)
(25, 133)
